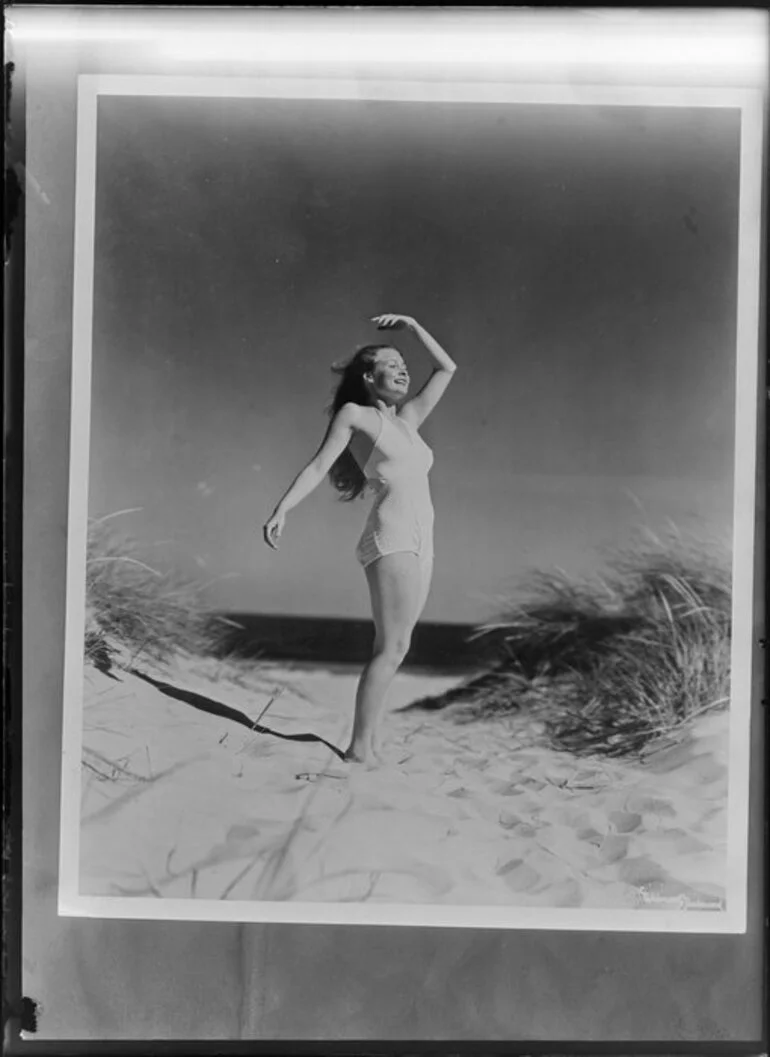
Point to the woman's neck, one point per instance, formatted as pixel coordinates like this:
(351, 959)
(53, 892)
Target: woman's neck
(387, 409)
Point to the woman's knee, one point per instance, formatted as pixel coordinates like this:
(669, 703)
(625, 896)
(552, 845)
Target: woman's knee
(394, 648)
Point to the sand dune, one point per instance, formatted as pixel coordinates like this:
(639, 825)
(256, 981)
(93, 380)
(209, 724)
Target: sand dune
(180, 803)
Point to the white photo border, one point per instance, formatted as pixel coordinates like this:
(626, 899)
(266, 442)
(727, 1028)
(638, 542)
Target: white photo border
(750, 103)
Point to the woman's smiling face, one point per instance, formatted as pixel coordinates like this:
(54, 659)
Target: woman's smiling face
(389, 375)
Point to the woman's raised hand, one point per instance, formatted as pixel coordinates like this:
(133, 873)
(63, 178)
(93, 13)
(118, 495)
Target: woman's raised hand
(391, 321)
(273, 529)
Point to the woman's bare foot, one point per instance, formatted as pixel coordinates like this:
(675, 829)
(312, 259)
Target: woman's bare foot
(365, 757)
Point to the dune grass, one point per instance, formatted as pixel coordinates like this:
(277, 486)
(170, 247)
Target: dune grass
(134, 608)
(615, 663)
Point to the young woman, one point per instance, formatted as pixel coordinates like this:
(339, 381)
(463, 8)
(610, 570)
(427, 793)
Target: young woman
(373, 440)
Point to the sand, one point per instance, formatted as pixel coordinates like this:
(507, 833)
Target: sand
(177, 803)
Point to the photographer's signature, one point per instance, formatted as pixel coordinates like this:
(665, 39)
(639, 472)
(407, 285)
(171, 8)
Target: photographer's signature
(682, 901)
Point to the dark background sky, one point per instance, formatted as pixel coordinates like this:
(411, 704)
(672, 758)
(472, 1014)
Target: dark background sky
(579, 263)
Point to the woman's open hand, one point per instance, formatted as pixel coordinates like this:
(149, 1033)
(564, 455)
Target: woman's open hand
(273, 529)
(391, 321)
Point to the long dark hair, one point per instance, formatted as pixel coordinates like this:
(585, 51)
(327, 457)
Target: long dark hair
(346, 475)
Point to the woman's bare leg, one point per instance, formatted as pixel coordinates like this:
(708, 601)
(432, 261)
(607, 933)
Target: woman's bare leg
(426, 575)
(396, 589)
(425, 572)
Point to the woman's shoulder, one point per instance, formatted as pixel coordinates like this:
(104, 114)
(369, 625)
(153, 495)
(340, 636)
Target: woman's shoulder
(356, 415)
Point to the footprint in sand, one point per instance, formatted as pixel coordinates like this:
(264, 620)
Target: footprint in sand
(518, 875)
(625, 821)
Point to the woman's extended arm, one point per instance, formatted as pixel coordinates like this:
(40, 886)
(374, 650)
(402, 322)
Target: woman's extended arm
(420, 406)
(334, 443)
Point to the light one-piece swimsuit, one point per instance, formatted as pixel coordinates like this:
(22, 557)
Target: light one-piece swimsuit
(401, 517)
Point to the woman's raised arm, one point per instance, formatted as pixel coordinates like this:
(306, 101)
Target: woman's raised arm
(417, 409)
(334, 443)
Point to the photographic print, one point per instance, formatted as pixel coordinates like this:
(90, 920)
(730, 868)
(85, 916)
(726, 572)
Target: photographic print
(412, 504)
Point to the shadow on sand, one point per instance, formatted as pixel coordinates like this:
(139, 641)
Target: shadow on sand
(216, 708)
